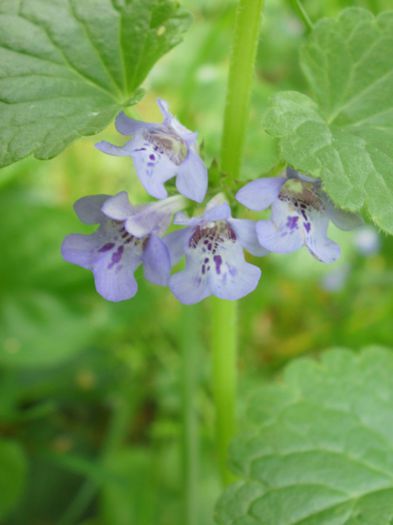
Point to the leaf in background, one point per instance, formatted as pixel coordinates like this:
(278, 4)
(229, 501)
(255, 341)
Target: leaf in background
(131, 473)
(345, 134)
(12, 475)
(67, 67)
(40, 323)
(319, 450)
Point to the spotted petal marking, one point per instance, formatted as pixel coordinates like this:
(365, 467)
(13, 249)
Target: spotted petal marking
(215, 266)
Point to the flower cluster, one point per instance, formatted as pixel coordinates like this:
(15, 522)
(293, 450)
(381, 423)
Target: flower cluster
(212, 243)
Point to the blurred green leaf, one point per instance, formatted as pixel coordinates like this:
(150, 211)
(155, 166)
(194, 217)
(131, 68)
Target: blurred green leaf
(319, 450)
(68, 67)
(38, 329)
(130, 496)
(12, 475)
(344, 135)
(38, 326)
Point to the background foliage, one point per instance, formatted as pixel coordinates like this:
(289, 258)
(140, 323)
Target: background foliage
(90, 392)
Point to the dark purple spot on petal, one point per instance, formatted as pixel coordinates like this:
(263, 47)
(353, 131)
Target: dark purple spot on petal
(152, 156)
(231, 233)
(206, 260)
(116, 257)
(292, 222)
(108, 246)
(218, 262)
(307, 226)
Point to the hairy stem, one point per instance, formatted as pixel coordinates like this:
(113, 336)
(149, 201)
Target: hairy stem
(224, 331)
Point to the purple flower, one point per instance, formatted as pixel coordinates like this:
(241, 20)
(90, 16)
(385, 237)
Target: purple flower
(300, 214)
(213, 245)
(127, 237)
(367, 241)
(160, 152)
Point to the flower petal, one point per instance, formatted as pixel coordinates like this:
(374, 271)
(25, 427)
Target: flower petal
(218, 212)
(231, 277)
(156, 261)
(278, 239)
(177, 243)
(214, 265)
(323, 249)
(188, 287)
(80, 249)
(154, 217)
(129, 126)
(345, 220)
(191, 180)
(114, 276)
(260, 193)
(164, 108)
(111, 149)
(89, 210)
(246, 233)
(152, 167)
(118, 207)
(183, 219)
(294, 174)
(170, 121)
(317, 241)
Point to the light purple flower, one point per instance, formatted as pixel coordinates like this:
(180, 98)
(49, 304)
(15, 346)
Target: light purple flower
(127, 237)
(300, 215)
(160, 152)
(367, 241)
(213, 245)
(335, 280)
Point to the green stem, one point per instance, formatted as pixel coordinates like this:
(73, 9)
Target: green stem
(240, 79)
(224, 339)
(299, 9)
(224, 332)
(190, 352)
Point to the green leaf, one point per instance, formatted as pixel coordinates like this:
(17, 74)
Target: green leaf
(130, 472)
(40, 324)
(12, 475)
(319, 450)
(68, 66)
(345, 134)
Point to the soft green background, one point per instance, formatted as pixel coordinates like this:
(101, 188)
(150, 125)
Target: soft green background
(90, 392)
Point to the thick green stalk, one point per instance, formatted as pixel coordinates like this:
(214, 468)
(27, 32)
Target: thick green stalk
(224, 333)
(240, 80)
(224, 338)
